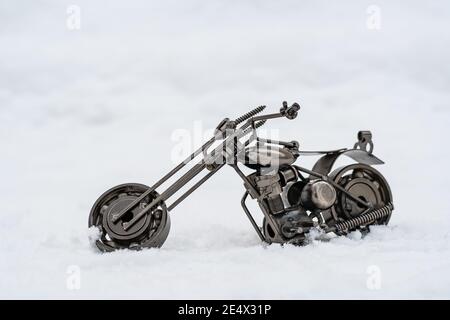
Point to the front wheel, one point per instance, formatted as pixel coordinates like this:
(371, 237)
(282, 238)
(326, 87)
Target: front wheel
(363, 182)
(150, 231)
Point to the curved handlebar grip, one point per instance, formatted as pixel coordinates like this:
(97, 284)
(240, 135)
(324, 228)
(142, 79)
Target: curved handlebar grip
(291, 112)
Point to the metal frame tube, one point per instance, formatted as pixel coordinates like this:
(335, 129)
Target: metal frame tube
(164, 179)
(261, 202)
(250, 217)
(193, 188)
(188, 176)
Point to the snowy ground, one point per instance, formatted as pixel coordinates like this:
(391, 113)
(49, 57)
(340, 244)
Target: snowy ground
(71, 102)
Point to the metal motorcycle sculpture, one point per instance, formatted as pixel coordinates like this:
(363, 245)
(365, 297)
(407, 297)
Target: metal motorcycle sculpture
(293, 199)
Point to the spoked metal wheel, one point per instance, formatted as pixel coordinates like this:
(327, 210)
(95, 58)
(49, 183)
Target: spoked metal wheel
(363, 182)
(150, 231)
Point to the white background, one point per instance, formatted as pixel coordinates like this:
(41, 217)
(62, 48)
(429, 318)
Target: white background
(84, 110)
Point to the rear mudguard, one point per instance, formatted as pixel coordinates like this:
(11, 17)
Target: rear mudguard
(324, 165)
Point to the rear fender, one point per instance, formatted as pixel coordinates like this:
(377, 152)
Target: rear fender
(324, 165)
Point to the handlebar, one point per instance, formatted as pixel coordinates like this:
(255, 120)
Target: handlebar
(254, 121)
(227, 129)
(290, 112)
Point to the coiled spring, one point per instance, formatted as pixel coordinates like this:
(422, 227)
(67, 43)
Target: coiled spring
(258, 124)
(250, 114)
(364, 219)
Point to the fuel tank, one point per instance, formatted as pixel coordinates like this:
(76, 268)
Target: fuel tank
(257, 157)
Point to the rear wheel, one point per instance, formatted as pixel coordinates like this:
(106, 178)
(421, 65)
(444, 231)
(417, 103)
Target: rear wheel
(363, 182)
(150, 231)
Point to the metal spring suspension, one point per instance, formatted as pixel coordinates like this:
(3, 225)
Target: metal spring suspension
(364, 219)
(250, 114)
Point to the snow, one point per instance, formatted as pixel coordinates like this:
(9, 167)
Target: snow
(72, 102)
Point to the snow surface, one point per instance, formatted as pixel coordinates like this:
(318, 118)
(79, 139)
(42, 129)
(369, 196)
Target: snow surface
(71, 102)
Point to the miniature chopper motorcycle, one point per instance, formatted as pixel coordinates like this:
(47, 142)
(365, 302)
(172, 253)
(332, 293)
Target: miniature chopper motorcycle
(293, 200)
